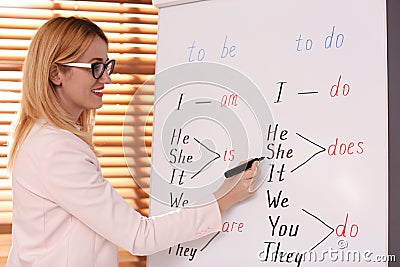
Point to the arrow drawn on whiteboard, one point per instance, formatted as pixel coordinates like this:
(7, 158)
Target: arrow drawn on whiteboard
(332, 230)
(316, 153)
(208, 163)
(209, 241)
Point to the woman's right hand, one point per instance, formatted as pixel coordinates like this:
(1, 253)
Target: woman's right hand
(236, 188)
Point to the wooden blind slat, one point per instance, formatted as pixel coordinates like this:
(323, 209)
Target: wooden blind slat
(101, 141)
(5, 184)
(125, 38)
(7, 55)
(5, 217)
(5, 195)
(112, 120)
(36, 14)
(110, 151)
(145, 2)
(128, 89)
(87, 6)
(3, 164)
(6, 206)
(120, 162)
(4, 176)
(131, 48)
(9, 107)
(123, 109)
(128, 48)
(124, 78)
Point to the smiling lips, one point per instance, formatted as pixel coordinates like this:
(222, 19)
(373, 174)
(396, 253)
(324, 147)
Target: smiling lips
(98, 91)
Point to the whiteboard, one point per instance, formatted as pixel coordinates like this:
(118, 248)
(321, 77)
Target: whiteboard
(303, 83)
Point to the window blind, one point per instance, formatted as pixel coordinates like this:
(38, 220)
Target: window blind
(131, 27)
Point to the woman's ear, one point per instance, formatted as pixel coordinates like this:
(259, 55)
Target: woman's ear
(55, 76)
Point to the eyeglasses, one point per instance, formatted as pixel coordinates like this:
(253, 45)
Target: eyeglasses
(98, 68)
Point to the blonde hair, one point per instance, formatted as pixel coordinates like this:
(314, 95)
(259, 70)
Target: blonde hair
(60, 40)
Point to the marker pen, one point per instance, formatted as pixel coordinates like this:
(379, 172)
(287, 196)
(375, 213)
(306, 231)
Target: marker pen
(241, 167)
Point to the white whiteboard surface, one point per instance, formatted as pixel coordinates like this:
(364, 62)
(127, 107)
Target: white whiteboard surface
(297, 53)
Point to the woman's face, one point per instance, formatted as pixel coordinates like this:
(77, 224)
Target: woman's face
(78, 89)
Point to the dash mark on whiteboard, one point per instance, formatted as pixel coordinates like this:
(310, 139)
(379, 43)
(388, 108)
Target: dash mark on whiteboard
(203, 102)
(307, 93)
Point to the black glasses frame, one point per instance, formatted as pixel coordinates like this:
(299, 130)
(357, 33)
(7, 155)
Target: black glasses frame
(108, 65)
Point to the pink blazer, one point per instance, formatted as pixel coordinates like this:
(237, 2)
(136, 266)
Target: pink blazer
(66, 214)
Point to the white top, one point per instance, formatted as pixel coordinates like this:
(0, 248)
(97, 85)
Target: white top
(66, 214)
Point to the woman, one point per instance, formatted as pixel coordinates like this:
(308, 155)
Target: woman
(64, 212)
